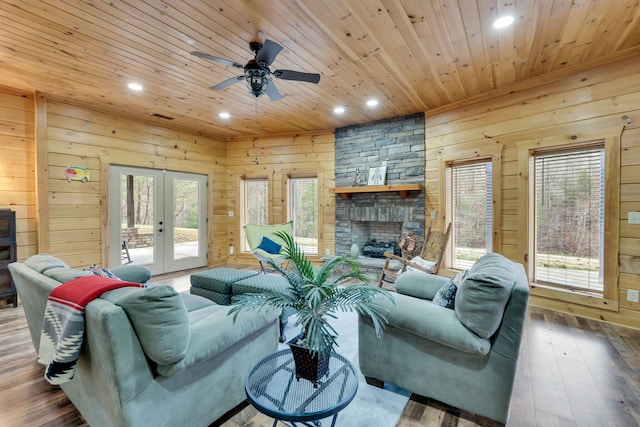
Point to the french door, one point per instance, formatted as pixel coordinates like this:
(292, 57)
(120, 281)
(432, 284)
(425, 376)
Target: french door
(157, 218)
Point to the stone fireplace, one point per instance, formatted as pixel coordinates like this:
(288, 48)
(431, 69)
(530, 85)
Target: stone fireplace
(397, 144)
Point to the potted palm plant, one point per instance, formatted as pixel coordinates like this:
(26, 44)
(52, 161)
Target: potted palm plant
(317, 294)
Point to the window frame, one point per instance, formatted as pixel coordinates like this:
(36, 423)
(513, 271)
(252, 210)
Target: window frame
(611, 137)
(459, 154)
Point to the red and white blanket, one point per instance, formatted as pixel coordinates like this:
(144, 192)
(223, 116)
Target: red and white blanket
(63, 326)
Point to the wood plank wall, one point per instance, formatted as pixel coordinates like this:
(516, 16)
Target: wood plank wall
(277, 157)
(585, 105)
(17, 166)
(601, 103)
(77, 212)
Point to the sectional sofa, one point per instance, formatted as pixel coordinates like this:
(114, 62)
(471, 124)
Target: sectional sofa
(151, 356)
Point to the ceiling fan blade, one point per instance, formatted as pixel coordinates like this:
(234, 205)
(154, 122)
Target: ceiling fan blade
(216, 59)
(297, 75)
(268, 53)
(273, 93)
(227, 83)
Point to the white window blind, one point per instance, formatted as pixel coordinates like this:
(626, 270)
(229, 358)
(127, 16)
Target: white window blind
(472, 212)
(569, 214)
(255, 204)
(304, 212)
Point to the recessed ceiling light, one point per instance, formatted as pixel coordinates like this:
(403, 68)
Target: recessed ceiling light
(505, 21)
(339, 110)
(224, 115)
(372, 102)
(135, 86)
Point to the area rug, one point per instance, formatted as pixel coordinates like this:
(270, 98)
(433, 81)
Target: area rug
(372, 406)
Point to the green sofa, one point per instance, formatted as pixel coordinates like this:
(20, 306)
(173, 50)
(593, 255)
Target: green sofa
(151, 356)
(465, 357)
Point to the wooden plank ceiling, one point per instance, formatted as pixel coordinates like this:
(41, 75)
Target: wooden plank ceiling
(412, 55)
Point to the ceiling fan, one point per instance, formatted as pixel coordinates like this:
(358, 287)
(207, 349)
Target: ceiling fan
(257, 73)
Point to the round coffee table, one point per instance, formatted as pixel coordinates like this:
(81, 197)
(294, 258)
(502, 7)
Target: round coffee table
(272, 389)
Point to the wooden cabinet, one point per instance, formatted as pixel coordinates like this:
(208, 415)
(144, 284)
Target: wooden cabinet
(7, 255)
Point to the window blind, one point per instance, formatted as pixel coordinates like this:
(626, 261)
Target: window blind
(304, 212)
(569, 213)
(472, 212)
(254, 205)
(256, 201)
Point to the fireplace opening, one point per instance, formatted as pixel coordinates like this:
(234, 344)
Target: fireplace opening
(374, 238)
(375, 249)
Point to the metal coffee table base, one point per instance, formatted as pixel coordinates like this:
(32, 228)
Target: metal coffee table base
(306, 423)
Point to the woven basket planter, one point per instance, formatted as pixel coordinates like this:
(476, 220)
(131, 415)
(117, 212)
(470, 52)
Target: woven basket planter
(308, 366)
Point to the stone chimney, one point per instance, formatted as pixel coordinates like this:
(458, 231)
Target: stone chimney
(399, 144)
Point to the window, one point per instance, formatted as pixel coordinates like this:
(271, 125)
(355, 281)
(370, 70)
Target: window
(303, 210)
(569, 218)
(254, 204)
(470, 209)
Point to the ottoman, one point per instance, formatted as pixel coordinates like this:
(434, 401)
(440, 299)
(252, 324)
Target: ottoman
(265, 282)
(215, 284)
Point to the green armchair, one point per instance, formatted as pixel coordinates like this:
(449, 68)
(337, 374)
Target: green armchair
(265, 245)
(465, 356)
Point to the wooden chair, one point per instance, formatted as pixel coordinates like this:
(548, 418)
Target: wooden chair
(125, 252)
(410, 246)
(431, 255)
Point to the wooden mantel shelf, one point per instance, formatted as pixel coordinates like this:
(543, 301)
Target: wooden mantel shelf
(403, 189)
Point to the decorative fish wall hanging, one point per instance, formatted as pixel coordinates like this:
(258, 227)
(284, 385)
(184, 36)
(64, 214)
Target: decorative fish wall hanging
(77, 173)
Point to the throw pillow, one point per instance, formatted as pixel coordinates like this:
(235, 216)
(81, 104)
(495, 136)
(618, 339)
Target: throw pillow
(446, 295)
(269, 246)
(160, 319)
(99, 271)
(484, 293)
(428, 265)
(132, 273)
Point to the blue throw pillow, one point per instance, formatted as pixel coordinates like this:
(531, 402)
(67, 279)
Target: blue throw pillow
(269, 246)
(446, 295)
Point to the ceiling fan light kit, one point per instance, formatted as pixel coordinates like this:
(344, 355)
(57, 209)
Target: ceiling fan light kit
(257, 75)
(256, 78)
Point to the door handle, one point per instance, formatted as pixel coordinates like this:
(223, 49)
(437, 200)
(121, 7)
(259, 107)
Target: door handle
(160, 230)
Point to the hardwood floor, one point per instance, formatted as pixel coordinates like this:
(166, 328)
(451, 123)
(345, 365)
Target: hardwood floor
(572, 372)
